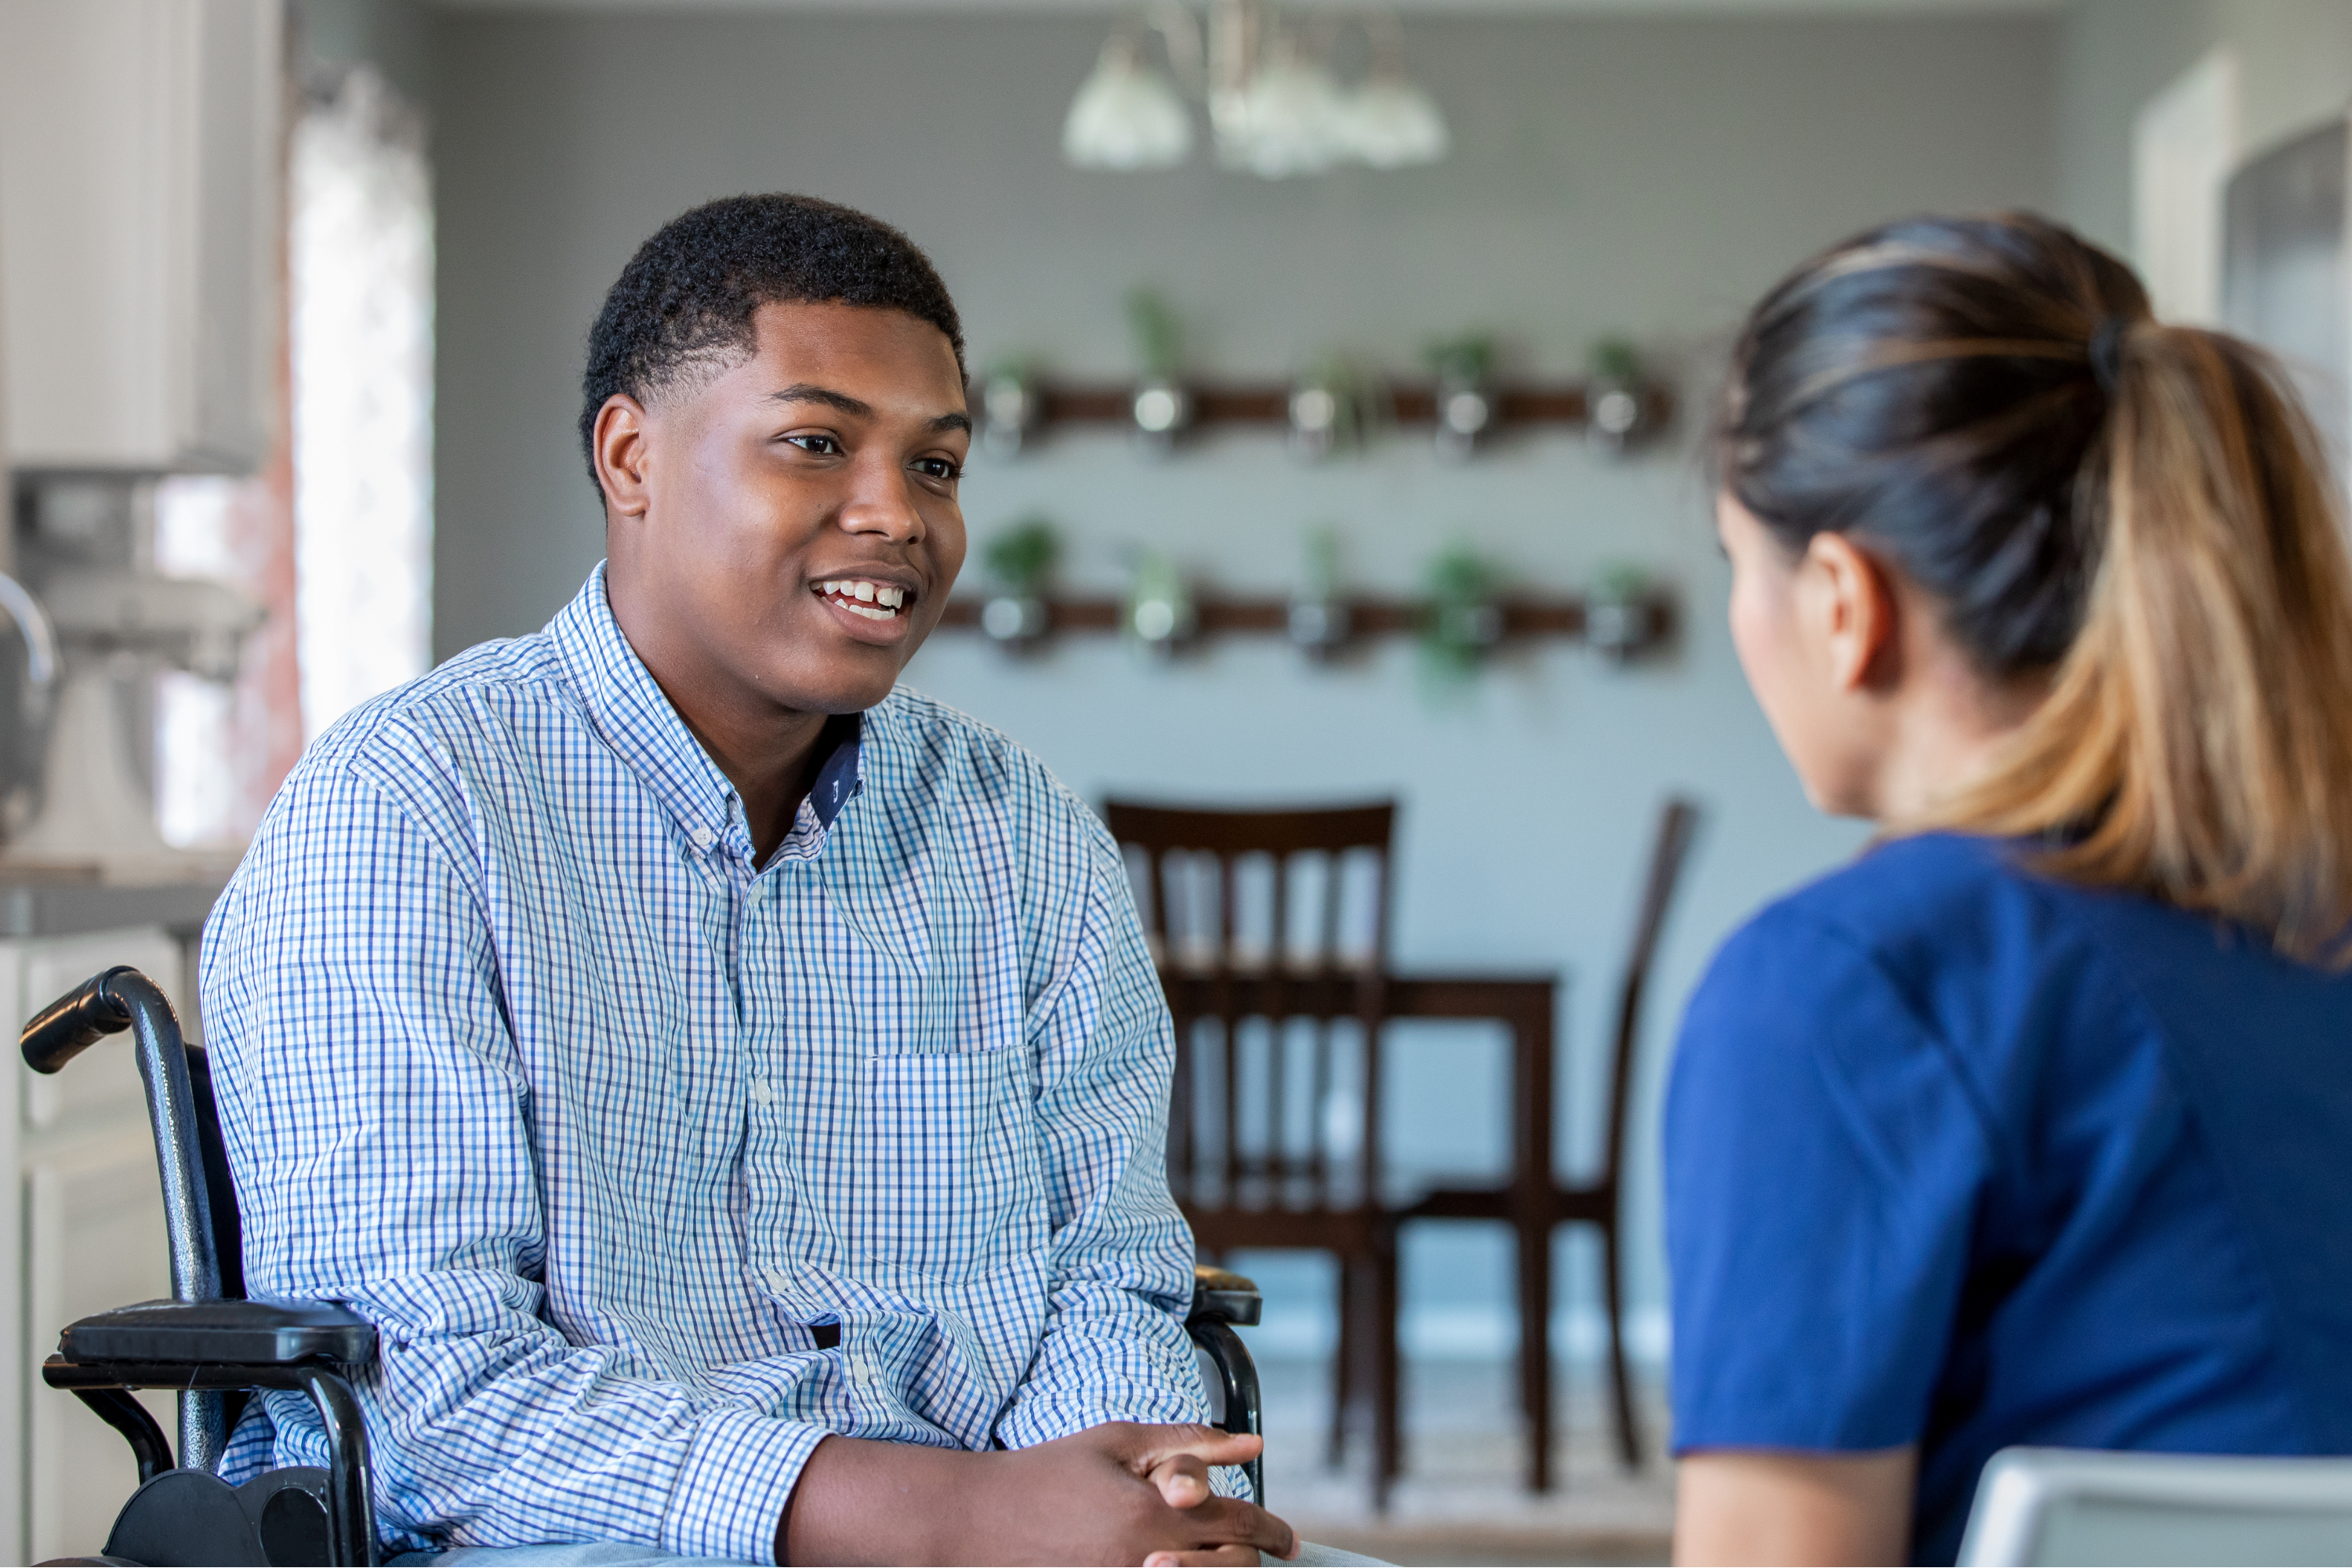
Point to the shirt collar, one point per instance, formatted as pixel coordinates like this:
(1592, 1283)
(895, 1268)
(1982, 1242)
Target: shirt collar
(634, 718)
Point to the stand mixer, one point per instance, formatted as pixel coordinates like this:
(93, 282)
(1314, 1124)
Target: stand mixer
(107, 628)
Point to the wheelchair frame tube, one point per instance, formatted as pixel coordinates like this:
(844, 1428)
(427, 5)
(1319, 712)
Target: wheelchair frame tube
(187, 1203)
(351, 1513)
(1239, 1372)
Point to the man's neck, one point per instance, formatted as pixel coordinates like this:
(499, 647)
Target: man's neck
(773, 767)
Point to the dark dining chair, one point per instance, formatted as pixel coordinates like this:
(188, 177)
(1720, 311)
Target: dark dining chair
(1251, 916)
(1600, 1201)
(1597, 1201)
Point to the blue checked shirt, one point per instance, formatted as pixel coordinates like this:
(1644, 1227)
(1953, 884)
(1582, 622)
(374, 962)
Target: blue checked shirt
(522, 1059)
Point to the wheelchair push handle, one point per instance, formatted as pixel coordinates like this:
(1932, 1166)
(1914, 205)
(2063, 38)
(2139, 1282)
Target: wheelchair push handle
(75, 1022)
(123, 998)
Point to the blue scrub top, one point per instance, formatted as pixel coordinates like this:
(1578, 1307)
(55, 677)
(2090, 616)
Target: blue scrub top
(1959, 1156)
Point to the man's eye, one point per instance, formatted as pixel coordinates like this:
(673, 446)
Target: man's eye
(940, 468)
(823, 446)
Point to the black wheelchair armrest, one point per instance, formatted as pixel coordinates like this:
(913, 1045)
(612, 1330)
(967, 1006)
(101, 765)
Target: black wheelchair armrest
(1220, 1299)
(1225, 1297)
(225, 1334)
(225, 1345)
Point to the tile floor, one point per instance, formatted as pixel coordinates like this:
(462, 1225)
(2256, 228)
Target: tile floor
(1459, 1500)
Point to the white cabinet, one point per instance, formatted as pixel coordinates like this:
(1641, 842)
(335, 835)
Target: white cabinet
(83, 1232)
(141, 174)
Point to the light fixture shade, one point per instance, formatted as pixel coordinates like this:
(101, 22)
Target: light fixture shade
(1294, 120)
(1126, 116)
(1390, 123)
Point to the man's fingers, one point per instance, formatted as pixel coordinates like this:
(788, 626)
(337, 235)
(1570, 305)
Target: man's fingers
(1245, 1557)
(1231, 1521)
(1183, 1481)
(1150, 1446)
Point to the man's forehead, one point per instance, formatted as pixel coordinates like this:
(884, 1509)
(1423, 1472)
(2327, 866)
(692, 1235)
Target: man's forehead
(836, 328)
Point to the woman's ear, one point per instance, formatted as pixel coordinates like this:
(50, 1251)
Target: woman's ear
(1847, 604)
(619, 449)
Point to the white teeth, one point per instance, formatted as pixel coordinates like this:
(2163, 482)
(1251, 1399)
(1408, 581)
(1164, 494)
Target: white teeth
(874, 601)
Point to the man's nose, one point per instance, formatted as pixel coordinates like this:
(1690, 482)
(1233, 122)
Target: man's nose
(882, 502)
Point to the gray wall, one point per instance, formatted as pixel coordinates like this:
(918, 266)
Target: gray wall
(2294, 55)
(1612, 175)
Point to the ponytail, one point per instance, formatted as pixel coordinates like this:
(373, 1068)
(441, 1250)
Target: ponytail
(2197, 742)
(2137, 519)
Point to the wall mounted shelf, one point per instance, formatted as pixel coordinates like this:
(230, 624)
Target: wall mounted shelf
(1269, 402)
(1623, 628)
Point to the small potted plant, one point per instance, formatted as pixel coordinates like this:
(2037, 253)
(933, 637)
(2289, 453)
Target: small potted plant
(1465, 368)
(1461, 621)
(1162, 409)
(1009, 408)
(1613, 395)
(1318, 618)
(1622, 613)
(1160, 616)
(1020, 562)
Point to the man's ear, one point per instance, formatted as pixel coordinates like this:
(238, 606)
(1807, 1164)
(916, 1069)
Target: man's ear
(620, 451)
(1852, 608)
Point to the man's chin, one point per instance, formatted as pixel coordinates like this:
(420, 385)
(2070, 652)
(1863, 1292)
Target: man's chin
(837, 685)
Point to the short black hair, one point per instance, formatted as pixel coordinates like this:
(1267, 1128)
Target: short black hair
(686, 298)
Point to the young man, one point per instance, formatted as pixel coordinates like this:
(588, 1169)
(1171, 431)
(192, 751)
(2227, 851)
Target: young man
(734, 1090)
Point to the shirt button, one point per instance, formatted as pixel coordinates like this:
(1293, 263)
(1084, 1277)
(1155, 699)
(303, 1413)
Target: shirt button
(704, 838)
(760, 1093)
(774, 1279)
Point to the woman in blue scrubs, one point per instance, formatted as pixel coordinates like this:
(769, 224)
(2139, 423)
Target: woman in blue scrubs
(2034, 1124)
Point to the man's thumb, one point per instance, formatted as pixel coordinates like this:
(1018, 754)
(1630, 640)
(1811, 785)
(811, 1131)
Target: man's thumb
(1158, 1444)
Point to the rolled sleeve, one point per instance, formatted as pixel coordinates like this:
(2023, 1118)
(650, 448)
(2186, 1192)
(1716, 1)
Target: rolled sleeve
(738, 1475)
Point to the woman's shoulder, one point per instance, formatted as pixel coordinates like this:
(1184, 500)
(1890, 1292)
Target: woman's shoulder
(1939, 900)
(1946, 942)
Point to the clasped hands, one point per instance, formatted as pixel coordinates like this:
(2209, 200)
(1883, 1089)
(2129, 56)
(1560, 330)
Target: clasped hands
(1123, 1492)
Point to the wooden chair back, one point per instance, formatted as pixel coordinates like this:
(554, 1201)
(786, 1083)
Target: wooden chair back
(1677, 823)
(1280, 916)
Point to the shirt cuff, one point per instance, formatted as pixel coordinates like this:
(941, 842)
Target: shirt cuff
(739, 1474)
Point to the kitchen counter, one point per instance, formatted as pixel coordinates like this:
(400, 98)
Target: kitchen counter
(32, 908)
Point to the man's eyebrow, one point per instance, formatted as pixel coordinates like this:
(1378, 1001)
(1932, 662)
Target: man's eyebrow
(805, 392)
(808, 392)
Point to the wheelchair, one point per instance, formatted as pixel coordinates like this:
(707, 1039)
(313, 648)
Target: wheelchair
(215, 1347)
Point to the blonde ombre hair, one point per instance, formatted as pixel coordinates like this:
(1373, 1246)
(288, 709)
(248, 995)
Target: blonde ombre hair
(2137, 517)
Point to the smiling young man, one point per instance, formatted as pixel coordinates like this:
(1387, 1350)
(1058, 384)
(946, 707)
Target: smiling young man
(734, 1089)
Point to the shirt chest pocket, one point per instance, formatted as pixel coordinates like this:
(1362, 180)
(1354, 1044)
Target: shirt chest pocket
(949, 1174)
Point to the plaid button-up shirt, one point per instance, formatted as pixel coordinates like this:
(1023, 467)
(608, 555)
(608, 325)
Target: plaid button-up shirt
(522, 1058)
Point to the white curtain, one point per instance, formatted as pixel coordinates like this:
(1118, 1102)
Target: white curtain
(353, 615)
(361, 273)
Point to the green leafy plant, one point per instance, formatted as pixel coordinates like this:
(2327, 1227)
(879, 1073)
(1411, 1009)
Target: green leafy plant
(1159, 336)
(1022, 557)
(1320, 579)
(1468, 359)
(1621, 583)
(1460, 621)
(1614, 359)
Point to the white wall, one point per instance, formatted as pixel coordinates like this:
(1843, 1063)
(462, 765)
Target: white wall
(1612, 175)
(2295, 62)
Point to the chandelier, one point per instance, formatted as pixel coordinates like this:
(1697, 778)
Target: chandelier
(1276, 106)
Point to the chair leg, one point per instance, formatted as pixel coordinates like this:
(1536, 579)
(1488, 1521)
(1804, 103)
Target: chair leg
(1534, 1241)
(1388, 1460)
(1629, 1436)
(1343, 1361)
